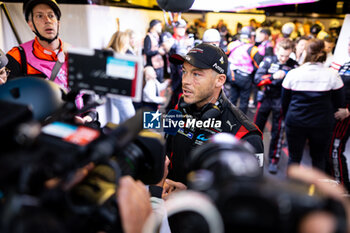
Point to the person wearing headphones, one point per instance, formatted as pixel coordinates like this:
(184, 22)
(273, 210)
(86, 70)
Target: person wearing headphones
(45, 55)
(204, 71)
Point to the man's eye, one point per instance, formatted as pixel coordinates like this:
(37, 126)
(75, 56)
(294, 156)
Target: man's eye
(39, 16)
(184, 71)
(196, 74)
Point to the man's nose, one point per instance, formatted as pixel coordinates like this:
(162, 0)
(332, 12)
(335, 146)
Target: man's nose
(185, 79)
(47, 19)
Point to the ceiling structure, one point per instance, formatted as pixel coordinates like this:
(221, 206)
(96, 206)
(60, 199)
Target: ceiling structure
(331, 7)
(236, 5)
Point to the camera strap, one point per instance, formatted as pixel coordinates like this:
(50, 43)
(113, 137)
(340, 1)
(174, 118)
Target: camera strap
(23, 60)
(55, 69)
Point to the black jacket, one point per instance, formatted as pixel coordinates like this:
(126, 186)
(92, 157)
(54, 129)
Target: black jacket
(311, 94)
(344, 73)
(263, 77)
(179, 146)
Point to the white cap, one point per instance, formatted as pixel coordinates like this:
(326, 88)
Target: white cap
(211, 35)
(288, 28)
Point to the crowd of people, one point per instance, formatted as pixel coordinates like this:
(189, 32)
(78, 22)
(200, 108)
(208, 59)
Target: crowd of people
(269, 67)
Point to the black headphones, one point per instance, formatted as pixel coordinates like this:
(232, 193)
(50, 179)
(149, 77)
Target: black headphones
(208, 111)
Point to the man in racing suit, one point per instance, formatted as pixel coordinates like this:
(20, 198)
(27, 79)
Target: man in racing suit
(204, 74)
(270, 75)
(338, 167)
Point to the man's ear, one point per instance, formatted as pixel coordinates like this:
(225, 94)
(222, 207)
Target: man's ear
(31, 26)
(220, 81)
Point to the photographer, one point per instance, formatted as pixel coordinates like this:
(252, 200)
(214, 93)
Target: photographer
(134, 204)
(204, 74)
(45, 56)
(318, 220)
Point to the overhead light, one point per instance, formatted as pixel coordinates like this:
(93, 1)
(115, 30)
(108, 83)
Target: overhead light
(340, 6)
(237, 5)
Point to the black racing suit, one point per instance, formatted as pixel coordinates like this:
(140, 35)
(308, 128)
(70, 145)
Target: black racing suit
(339, 168)
(179, 146)
(269, 99)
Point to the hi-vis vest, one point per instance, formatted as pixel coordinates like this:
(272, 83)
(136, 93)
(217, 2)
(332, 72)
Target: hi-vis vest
(46, 66)
(242, 56)
(157, 60)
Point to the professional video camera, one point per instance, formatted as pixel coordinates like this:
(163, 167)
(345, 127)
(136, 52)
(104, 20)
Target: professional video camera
(228, 172)
(42, 147)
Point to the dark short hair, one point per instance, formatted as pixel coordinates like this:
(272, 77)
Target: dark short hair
(153, 23)
(315, 51)
(329, 39)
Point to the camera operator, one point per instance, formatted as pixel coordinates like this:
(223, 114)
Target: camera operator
(320, 221)
(134, 204)
(45, 55)
(135, 201)
(204, 74)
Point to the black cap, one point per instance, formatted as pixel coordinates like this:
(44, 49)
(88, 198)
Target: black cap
(204, 56)
(315, 29)
(3, 59)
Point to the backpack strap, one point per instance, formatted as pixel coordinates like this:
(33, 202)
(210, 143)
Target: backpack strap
(23, 60)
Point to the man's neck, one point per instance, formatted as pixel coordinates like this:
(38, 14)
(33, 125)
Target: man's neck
(212, 100)
(54, 45)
